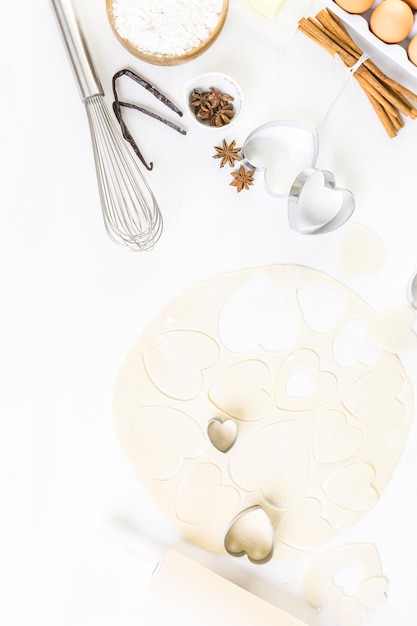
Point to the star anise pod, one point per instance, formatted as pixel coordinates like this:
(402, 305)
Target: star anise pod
(222, 115)
(243, 178)
(218, 99)
(204, 113)
(228, 153)
(198, 98)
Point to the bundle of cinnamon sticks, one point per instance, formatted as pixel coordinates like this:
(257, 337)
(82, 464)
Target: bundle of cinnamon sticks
(389, 98)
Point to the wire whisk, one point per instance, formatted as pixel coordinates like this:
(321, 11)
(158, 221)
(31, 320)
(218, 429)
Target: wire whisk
(131, 214)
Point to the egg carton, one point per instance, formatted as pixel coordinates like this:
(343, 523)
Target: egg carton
(392, 58)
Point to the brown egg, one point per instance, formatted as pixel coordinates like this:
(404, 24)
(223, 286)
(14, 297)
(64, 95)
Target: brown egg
(412, 50)
(355, 6)
(411, 3)
(391, 21)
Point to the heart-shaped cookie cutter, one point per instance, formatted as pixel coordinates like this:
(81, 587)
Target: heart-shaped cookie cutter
(412, 291)
(344, 212)
(293, 145)
(252, 534)
(278, 139)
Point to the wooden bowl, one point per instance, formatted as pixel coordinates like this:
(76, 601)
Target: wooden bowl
(167, 59)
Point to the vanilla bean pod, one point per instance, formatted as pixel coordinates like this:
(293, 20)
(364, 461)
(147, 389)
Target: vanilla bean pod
(129, 105)
(148, 86)
(117, 109)
(128, 136)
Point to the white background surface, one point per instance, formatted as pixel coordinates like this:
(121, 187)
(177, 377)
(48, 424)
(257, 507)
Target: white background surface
(72, 303)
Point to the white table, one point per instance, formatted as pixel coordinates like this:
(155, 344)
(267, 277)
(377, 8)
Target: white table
(72, 303)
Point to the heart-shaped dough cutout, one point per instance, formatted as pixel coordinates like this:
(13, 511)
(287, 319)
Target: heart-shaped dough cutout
(303, 526)
(258, 314)
(274, 460)
(281, 149)
(252, 534)
(239, 391)
(203, 499)
(222, 433)
(175, 362)
(161, 437)
(360, 251)
(316, 205)
(334, 439)
(301, 385)
(351, 487)
(373, 399)
(392, 329)
(366, 590)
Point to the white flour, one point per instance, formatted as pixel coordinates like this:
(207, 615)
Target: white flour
(166, 27)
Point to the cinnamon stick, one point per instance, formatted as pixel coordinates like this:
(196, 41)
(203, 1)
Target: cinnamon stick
(391, 124)
(383, 116)
(330, 21)
(403, 90)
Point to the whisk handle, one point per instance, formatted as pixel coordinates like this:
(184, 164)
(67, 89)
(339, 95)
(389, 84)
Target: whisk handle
(77, 50)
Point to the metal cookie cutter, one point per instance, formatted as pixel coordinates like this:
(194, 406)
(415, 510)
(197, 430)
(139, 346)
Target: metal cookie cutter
(281, 149)
(337, 214)
(286, 152)
(412, 291)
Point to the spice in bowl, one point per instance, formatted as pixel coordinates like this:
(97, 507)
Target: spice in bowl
(212, 106)
(213, 100)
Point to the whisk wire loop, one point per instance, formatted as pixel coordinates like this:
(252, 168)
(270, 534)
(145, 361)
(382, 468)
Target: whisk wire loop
(130, 211)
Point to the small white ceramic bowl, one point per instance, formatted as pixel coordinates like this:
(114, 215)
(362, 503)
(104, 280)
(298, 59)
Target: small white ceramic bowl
(222, 83)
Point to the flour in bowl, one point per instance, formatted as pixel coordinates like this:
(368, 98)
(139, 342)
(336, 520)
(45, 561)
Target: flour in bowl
(166, 27)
